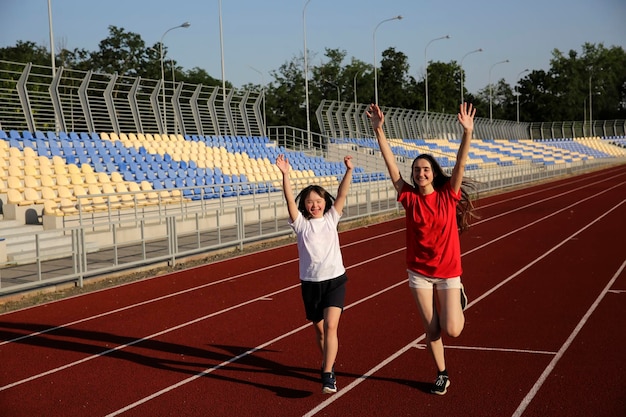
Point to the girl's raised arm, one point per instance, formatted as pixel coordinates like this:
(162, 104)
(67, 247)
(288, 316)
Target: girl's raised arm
(378, 118)
(283, 165)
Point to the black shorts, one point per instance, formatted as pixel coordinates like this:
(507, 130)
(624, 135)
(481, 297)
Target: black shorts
(318, 296)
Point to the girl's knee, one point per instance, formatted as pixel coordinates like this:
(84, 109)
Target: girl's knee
(454, 329)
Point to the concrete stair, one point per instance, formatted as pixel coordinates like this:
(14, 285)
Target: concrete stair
(21, 248)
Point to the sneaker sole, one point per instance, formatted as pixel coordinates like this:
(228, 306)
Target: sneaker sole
(442, 392)
(328, 390)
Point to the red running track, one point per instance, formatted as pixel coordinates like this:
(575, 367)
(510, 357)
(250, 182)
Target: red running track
(544, 269)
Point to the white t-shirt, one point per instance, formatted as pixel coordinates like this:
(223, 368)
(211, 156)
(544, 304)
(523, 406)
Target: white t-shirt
(318, 247)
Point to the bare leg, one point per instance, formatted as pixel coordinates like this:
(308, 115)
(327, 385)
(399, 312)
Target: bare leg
(425, 300)
(452, 319)
(330, 342)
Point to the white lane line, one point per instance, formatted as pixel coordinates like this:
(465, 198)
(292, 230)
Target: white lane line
(554, 213)
(581, 178)
(534, 203)
(493, 349)
(531, 394)
(357, 381)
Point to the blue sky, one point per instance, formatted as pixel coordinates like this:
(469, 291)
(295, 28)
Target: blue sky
(266, 34)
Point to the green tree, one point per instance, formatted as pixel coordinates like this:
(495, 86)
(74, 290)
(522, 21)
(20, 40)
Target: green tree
(394, 83)
(122, 52)
(443, 87)
(26, 52)
(285, 96)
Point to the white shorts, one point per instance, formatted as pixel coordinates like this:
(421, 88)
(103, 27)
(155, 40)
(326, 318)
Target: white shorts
(421, 281)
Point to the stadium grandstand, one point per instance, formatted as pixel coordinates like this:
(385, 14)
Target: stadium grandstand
(96, 172)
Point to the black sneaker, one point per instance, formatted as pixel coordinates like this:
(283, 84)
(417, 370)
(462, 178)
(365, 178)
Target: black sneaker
(463, 298)
(441, 385)
(329, 384)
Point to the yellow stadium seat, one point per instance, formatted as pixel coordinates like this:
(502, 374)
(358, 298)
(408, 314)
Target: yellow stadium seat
(138, 195)
(16, 197)
(126, 199)
(77, 179)
(60, 169)
(113, 199)
(47, 181)
(103, 178)
(67, 207)
(62, 179)
(73, 169)
(31, 161)
(16, 153)
(31, 182)
(91, 178)
(51, 207)
(32, 196)
(46, 170)
(116, 177)
(15, 171)
(64, 192)
(48, 193)
(29, 152)
(98, 202)
(81, 194)
(57, 160)
(86, 169)
(15, 183)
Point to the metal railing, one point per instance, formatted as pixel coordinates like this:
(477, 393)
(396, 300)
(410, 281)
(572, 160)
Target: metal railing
(348, 120)
(86, 101)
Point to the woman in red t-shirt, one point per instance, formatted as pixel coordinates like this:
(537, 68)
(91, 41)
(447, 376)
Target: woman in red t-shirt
(438, 208)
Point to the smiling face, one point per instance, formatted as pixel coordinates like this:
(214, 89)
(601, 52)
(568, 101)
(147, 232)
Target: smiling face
(423, 174)
(315, 205)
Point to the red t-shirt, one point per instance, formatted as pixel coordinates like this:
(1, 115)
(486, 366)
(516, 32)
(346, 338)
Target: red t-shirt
(432, 237)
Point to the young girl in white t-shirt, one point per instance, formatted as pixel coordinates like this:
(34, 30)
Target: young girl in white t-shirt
(314, 215)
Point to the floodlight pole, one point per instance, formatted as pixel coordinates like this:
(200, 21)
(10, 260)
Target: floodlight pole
(463, 72)
(184, 25)
(426, 63)
(376, 58)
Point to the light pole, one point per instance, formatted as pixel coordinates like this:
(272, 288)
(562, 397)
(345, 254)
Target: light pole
(51, 39)
(463, 72)
(57, 126)
(354, 88)
(174, 91)
(306, 76)
(517, 88)
(491, 88)
(590, 116)
(262, 98)
(375, 57)
(591, 70)
(184, 25)
(426, 79)
(222, 54)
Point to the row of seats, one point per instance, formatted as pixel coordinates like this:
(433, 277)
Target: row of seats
(502, 152)
(68, 173)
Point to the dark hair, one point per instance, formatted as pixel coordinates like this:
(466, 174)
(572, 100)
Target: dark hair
(465, 210)
(302, 196)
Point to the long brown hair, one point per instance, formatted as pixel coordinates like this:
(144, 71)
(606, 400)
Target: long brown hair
(465, 210)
